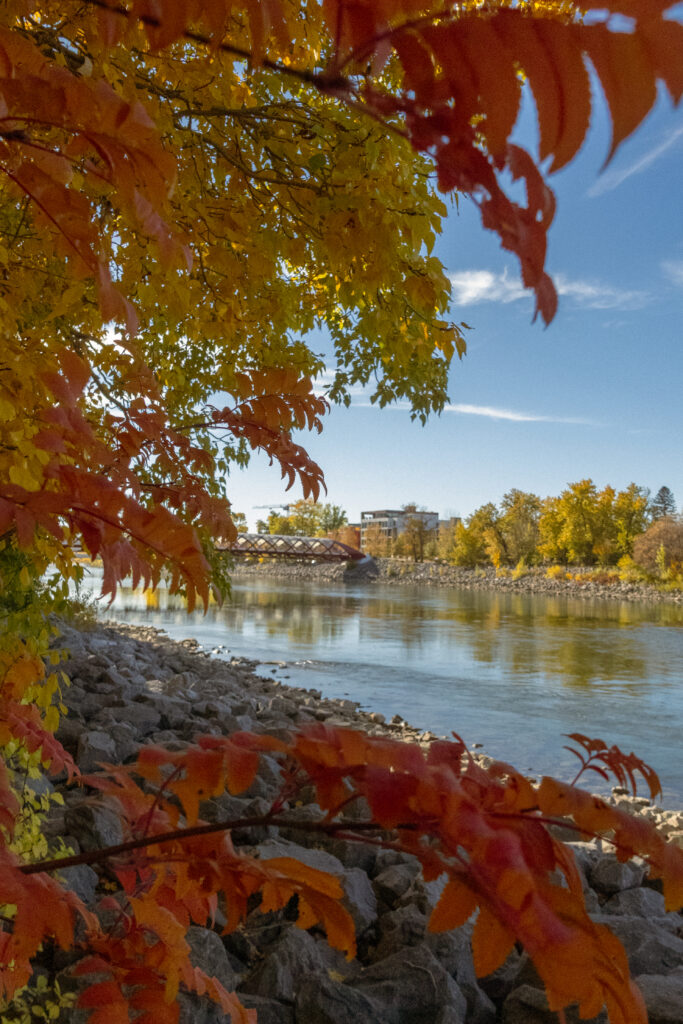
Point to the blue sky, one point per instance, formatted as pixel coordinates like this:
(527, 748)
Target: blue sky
(597, 394)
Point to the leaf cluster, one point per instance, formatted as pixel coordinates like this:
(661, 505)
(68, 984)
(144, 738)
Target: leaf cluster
(487, 830)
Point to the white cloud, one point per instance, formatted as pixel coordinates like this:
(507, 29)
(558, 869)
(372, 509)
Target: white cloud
(673, 270)
(613, 178)
(490, 412)
(473, 286)
(325, 379)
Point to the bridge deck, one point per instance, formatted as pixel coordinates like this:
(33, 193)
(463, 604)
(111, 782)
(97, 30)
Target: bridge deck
(323, 549)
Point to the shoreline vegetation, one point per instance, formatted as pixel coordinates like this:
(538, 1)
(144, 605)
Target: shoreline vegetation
(571, 582)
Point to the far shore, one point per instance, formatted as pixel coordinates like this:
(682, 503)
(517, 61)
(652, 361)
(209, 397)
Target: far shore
(396, 572)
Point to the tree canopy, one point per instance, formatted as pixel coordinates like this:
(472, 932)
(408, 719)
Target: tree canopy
(220, 180)
(306, 518)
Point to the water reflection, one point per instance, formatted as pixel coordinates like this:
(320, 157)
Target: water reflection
(581, 643)
(512, 671)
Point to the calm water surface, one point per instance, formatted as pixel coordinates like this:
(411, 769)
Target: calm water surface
(512, 672)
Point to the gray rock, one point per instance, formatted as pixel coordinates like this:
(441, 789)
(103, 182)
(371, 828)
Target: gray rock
(663, 996)
(322, 1000)
(268, 1011)
(413, 988)
(95, 824)
(90, 705)
(82, 880)
(208, 952)
(94, 747)
(143, 717)
(453, 950)
(194, 1009)
(359, 899)
(399, 928)
(528, 1005)
(126, 739)
(394, 882)
(650, 948)
(636, 902)
(500, 983)
(224, 808)
(608, 875)
(351, 854)
(114, 678)
(294, 955)
(69, 732)
(268, 779)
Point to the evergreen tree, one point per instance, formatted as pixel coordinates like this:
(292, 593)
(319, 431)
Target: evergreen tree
(663, 504)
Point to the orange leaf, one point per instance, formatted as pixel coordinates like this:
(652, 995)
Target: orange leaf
(456, 905)
(491, 943)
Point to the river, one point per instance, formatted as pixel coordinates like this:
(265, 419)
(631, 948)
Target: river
(512, 672)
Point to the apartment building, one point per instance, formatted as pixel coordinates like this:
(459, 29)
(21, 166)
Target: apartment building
(391, 522)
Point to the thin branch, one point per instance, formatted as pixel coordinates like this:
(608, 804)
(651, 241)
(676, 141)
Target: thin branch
(178, 835)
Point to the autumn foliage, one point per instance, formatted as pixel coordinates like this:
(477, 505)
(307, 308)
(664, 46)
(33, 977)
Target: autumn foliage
(487, 831)
(218, 179)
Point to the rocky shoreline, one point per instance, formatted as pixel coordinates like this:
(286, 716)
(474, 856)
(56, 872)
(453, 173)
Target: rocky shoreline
(395, 572)
(133, 684)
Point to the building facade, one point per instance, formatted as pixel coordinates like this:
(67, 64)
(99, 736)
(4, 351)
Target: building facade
(391, 523)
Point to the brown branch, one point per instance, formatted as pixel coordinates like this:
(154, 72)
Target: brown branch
(178, 835)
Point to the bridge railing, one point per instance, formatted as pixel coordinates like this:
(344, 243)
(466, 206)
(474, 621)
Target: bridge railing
(275, 545)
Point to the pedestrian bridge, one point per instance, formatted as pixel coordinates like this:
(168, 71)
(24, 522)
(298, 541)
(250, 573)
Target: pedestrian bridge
(269, 545)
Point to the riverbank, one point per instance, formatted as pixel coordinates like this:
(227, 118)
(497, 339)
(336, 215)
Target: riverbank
(431, 574)
(133, 684)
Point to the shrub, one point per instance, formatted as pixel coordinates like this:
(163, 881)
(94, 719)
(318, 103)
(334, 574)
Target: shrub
(629, 572)
(520, 570)
(667, 534)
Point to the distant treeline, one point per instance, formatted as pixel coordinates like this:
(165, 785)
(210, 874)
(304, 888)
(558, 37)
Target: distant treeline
(581, 526)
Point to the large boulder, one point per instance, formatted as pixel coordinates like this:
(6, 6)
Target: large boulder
(94, 748)
(663, 996)
(609, 875)
(291, 958)
(651, 947)
(528, 1005)
(321, 999)
(413, 988)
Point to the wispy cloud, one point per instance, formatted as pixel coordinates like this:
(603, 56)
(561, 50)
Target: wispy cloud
(492, 413)
(511, 414)
(673, 270)
(613, 178)
(360, 399)
(596, 295)
(471, 287)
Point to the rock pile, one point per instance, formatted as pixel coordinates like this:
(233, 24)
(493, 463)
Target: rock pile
(133, 685)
